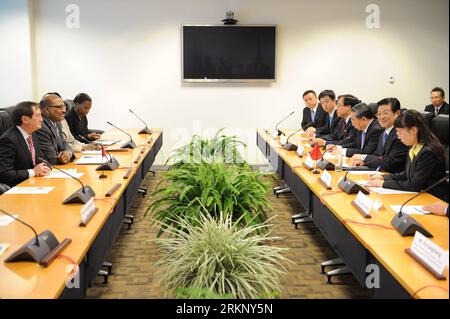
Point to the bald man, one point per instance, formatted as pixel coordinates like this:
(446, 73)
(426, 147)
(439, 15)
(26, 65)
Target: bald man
(55, 148)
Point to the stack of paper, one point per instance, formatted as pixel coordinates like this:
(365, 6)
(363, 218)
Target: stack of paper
(410, 210)
(30, 190)
(6, 220)
(58, 174)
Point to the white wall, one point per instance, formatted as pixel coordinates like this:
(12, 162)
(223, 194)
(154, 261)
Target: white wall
(128, 54)
(15, 53)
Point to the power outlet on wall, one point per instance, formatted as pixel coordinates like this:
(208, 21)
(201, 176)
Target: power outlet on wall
(391, 79)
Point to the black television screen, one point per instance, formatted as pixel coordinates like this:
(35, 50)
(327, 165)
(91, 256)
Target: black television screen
(228, 53)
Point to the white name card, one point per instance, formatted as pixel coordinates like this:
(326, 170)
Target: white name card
(430, 253)
(300, 150)
(364, 202)
(309, 162)
(326, 178)
(87, 210)
(283, 139)
(275, 134)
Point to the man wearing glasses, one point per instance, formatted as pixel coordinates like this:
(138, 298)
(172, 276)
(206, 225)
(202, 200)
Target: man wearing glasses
(390, 155)
(438, 104)
(55, 148)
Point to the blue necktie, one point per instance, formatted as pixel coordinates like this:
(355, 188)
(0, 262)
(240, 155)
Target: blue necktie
(313, 115)
(363, 137)
(385, 136)
(330, 120)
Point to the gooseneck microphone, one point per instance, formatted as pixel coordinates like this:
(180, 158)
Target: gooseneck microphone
(145, 130)
(288, 145)
(43, 248)
(36, 242)
(351, 187)
(405, 224)
(277, 132)
(128, 144)
(82, 195)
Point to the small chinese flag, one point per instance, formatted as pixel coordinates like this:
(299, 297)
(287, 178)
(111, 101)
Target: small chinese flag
(316, 154)
(103, 151)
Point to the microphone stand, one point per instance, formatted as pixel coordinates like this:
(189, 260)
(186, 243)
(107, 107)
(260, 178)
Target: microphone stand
(145, 130)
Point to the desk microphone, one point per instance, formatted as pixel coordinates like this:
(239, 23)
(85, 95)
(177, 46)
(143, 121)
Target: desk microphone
(277, 131)
(128, 144)
(351, 187)
(82, 195)
(37, 248)
(288, 145)
(145, 130)
(405, 224)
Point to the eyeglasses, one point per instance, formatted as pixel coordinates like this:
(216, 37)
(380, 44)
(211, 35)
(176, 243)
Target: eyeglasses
(62, 106)
(384, 114)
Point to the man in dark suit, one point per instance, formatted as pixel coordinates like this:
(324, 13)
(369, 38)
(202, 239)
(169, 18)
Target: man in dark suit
(77, 119)
(55, 148)
(313, 113)
(345, 131)
(327, 99)
(19, 147)
(369, 130)
(390, 155)
(438, 104)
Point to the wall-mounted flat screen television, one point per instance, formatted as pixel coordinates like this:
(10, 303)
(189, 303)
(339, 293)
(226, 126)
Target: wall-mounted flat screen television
(228, 53)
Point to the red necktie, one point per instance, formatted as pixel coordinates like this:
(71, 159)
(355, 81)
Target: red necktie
(31, 147)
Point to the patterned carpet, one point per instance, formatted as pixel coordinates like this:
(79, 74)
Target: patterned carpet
(134, 256)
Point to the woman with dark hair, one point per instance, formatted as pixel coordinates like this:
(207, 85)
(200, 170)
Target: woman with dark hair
(425, 162)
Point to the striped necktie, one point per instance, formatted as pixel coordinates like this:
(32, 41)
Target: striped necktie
(31, 148)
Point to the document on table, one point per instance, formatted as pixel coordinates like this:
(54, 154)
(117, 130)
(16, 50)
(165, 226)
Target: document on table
(30, 190)
(58, 174)
(410, 210)
(3, 248)
(6, 220)
(91, 159)
(363, 172)
(107, 142)
(388, 191)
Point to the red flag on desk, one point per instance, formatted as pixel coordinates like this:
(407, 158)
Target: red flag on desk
(316, 154)
(103, 151)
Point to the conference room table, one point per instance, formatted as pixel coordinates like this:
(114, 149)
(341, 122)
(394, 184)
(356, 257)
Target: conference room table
(363, 243)
(89, 244)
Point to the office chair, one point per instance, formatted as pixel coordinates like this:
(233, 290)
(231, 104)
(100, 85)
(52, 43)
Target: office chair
(3, 188)
(428, 117)
(440, 127)
(5, 119)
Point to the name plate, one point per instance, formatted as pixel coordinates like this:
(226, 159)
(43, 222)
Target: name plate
(309, 162)
(300, 150)
(363, 203)
(283, 139)
(326, 179)
(275, 134)
(87, 211)
(429, 254)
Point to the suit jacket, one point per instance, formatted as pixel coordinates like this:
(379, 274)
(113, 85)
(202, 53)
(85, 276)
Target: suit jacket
(78, 125)
(49, 143)
(345, 136)
(445, 109)
(319, 119)
(327, 130)
(426, 169)
(370, 142)
(15, 156)
(393, 154)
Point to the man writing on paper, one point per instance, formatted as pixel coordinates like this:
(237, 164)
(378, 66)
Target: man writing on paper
(391, 152)
(19, 147)
(55, 148)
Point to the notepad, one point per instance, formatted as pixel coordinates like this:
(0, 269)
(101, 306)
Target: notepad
(58, 174)
(6, 220)
(29, 190)
(3, 248)
(410, 210)
(388, 191)
(107, 142)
